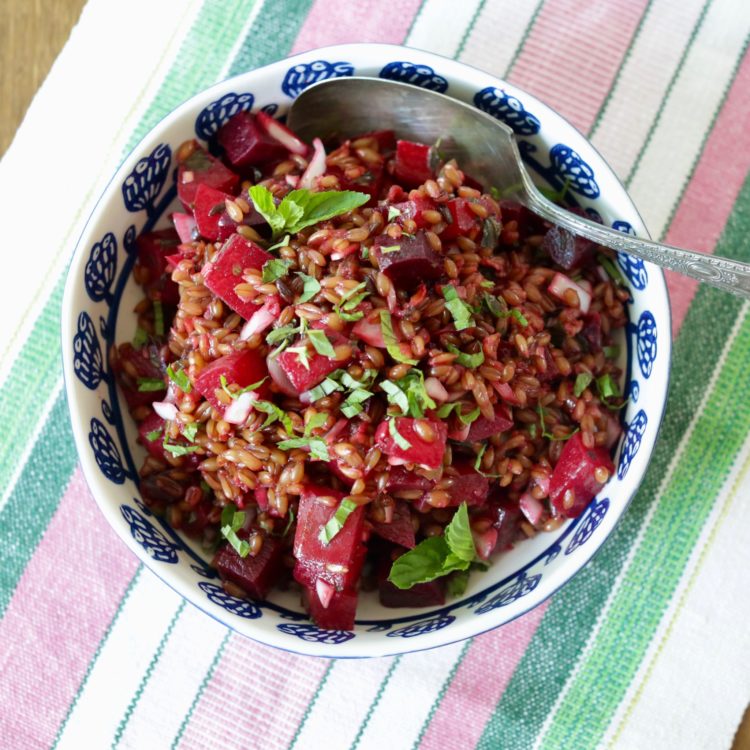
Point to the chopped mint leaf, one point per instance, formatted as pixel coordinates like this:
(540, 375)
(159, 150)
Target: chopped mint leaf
(611, 352)
(317, 446)
(277, 335)
(445, 410)
(275, 269)
(607, 387)
(480, 455)
(460, 311)
(457, 583)
(140, 338)
(153, 435)
(467, 360)
(321, 343)
(611, 268)
(337, 520)
(311, 287)
(179, 450)
(393, 212)
(150, 384)
(398, 438)
(549, 435)
(281, 243)
(390, 249)
(158, 318)
(274, 413)
(583, 380)
(409, 394)
(178, 376)
(303, 355)
(496, 305)
(391, 343)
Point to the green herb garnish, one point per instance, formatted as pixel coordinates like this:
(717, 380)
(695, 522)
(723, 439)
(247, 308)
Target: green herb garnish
(391, 342)
(390, 249)
(611, 352)
(317, 445)
(275, 269)
(178, 376)
(179, 450)
(518, 315)
(438, 555)
(273, 414)
(140, 338)
(460, 311)
(303, 356)
(311, 287)
(467, 360)
(237, 394)
(150, 384)
(158, 318)
(611, 268)
(583, 380)
(398, 438)
(444, 411)
(347, 306)
(337, 521)
(302, 208)
(409, 394)
(393, 212)
(278, 335)
(232, 521)
(607, 387)
(153, 435)
(480, 455)
(190, 430)
(281, 243)
(549, 435)
(321, 343)
(497, 306)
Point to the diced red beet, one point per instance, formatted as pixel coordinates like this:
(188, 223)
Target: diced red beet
(514, 211)
(483, 428)
(413, 209)
(282, 382)
(318, 365)
(152, 425)
(400, 479)
(412, 165)
(223, 274)
(386, 140)
(420, 451)
(340, 561)
(338, 615)
(243, 368)
(566, 249)
(575, 472)
(246, 144)
(255, 575)
(430, 594)
(464, 222)
(469, 486)
(506, 518)
(153, 249)
(148, 364)
(592, 330)
(399, 530)
(485, 542)
(413, 262)
(369, 330)
(209, 206)
(200, 168)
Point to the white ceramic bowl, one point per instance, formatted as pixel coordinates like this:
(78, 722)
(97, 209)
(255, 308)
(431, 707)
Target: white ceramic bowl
(100, 295)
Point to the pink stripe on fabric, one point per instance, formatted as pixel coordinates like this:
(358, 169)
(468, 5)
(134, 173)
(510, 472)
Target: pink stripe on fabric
(710, 197)
(573, 52)
(59, 613)
(268, 691)
(342, 21)
(479, 683)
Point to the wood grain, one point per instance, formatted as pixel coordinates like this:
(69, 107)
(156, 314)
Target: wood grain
(32, 33)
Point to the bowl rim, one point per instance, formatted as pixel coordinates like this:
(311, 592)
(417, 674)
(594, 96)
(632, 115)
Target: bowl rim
(460, 628)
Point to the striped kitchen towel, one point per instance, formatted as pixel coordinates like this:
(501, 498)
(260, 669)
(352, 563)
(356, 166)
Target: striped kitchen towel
(648, 647)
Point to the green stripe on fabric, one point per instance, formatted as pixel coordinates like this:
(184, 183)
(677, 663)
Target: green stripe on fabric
(672, 81)
(199, 61)
(272, 36)
(375, 702)
(147, 676)
(97, 653)
(443, 688)
(636, 34)
(655, 571)
(567, 624)
(35, 497)
(469, 29)
(312, 703)
(522, 43)
(201, 689)
(33, 376)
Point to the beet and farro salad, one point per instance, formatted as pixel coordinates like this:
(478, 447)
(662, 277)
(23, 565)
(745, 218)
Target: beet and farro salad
(356, 369)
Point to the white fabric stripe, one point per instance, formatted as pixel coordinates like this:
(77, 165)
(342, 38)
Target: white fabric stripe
(23, 457)
(122, 662)
(174, 683)
(689, 111)
(342, 704)
(412, 690)
(638, 540)
(108, 101)
(643, 81)
(679, 656)
(508, 20)
(254, 11)
(435, 27)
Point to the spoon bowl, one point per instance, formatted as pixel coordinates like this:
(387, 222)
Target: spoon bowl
(487, 149)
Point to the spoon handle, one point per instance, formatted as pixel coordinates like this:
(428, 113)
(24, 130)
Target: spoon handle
(730, 275)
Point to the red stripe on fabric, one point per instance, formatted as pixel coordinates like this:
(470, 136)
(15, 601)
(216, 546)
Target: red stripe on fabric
(573, 53)
(479, 683)
(59, 613)
(713, 189)
(342, 21)
(268, 691)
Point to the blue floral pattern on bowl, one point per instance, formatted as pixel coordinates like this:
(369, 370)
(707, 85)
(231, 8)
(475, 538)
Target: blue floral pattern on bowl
(418, 75)
(302, 75)
(146, 191)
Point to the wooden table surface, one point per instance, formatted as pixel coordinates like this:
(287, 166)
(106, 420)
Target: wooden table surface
(32, 33)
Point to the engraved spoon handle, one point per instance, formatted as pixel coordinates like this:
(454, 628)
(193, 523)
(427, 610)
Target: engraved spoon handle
(729, 275)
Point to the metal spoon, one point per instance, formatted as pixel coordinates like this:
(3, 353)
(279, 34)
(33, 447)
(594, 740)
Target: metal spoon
(486, 148)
